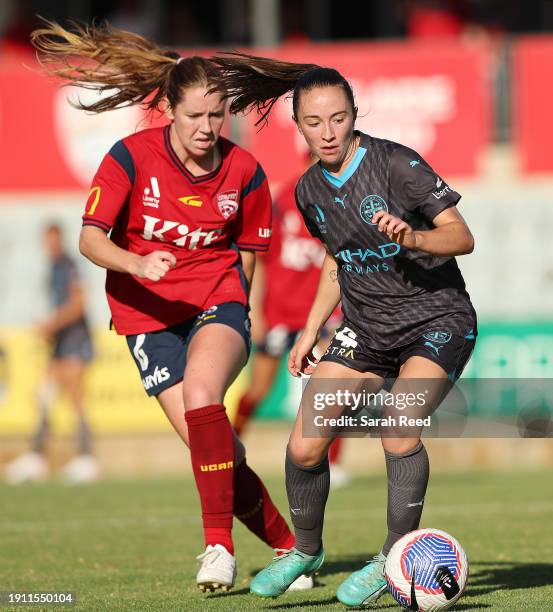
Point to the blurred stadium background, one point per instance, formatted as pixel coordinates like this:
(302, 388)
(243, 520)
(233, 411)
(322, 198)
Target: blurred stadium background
(462, 82)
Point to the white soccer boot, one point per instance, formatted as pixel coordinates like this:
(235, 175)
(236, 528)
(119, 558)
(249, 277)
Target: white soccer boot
(30, 467)
(301, 583)
(80, 470)
(217, 570)
(338, 477)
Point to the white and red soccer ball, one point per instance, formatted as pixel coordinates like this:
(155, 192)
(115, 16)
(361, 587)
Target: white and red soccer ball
(426, 570)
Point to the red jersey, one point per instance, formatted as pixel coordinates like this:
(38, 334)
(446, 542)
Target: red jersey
(293, 265)
(144, 194)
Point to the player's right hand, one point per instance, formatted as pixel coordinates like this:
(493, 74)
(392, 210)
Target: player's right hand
(154, 266)
(301, 359)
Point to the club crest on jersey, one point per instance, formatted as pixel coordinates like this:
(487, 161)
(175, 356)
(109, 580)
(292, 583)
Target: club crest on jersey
(151, 194)
(370, 206)
(227, 201)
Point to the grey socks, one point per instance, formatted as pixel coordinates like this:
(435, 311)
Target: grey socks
(407, 479)
(307, 489)
(84, 435)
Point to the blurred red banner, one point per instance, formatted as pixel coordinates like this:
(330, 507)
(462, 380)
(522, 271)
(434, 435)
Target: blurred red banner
(532, 97)
(433, 97)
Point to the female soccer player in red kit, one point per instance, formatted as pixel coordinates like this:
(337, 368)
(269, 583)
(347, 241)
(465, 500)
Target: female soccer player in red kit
(176, 215)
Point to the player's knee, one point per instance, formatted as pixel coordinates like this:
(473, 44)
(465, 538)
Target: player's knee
(399, 446)
(306, 452)
(199, 395)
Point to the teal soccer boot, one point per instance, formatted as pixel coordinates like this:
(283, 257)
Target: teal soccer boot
(283, 571)
(364, 586)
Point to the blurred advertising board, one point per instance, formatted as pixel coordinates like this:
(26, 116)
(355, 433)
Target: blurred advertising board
(115, 398)
(118, 404)
(433, 97)
(532, 102)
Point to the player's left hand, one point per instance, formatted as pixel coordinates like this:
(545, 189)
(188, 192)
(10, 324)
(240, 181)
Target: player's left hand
(396, 229)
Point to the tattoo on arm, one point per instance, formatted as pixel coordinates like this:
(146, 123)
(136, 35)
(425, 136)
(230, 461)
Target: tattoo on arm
(333, 275)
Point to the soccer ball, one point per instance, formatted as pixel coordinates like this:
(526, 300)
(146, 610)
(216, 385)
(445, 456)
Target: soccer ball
(426, 570)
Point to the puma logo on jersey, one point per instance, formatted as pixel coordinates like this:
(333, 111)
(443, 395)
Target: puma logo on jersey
(165, 231)
(435, 348)
(152, 380)
(152, 200)
(341, 201)
(214, 467)
(191, 201)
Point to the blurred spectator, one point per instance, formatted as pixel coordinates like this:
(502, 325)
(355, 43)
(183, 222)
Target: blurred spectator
(66, 331)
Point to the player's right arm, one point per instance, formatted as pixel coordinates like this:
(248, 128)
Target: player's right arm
(301, 359)
(95, 245)
(324, 304)
(110, 192)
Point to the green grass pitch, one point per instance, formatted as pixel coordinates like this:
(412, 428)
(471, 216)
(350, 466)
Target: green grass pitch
(130, 544)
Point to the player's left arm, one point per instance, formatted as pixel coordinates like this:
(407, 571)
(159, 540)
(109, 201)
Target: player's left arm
(248, 265)
(450, 236)
(419, 191)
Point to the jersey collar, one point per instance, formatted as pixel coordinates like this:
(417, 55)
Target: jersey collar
(180, 166)
(340, 180)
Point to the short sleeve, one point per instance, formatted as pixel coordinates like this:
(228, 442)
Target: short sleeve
(252, 226)
(111, 188)
(273, 252)
(415, 186)
(309, 214)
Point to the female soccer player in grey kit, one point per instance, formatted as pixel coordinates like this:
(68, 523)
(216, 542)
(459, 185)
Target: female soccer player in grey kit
(391, 230)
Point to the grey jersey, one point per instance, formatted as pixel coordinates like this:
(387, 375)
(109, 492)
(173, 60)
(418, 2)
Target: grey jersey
(62, 274)
(391, 294)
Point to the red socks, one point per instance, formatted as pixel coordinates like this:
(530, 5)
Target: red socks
(253, 507)
(335, 450)
(212, 453)
(225, 489)
(245, 409)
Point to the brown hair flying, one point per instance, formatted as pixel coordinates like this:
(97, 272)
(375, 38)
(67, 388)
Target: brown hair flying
(258, 82)
(104, 58)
